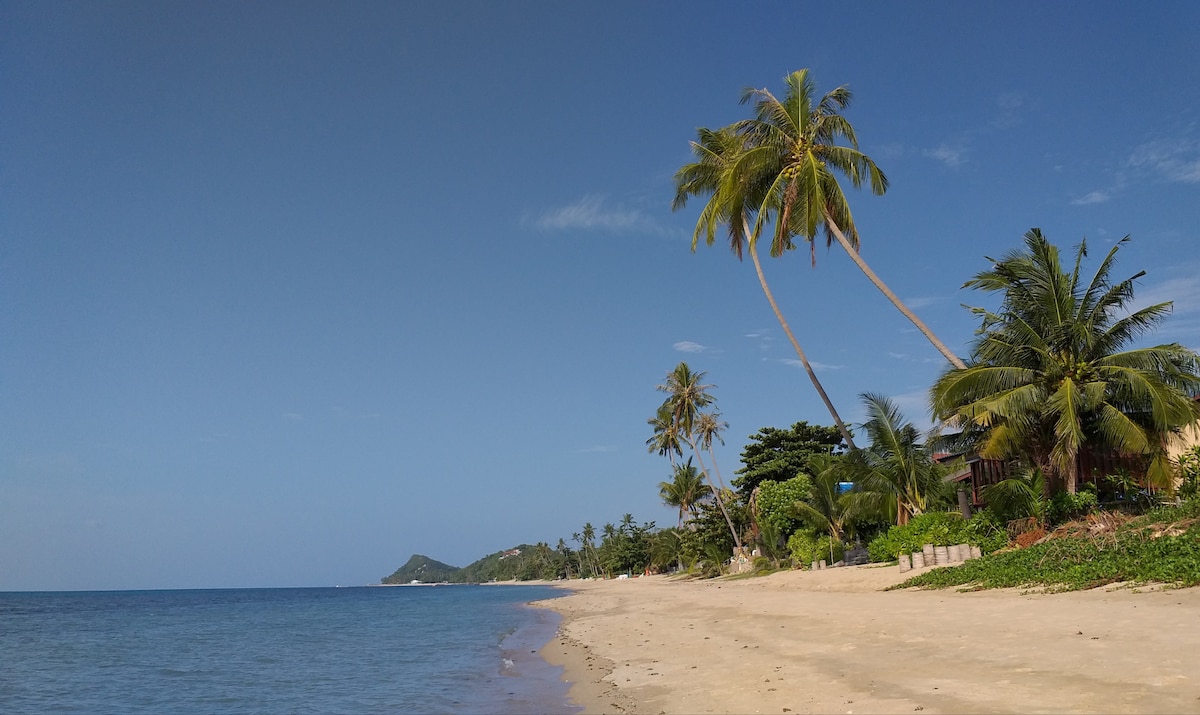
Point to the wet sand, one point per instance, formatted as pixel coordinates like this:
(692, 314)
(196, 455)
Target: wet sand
(832, 642)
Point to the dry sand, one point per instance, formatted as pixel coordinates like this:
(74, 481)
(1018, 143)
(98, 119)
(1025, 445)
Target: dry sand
(831, 642)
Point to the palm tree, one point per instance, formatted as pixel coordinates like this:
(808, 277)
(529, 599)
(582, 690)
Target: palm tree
(1053, 373)
(709, 427)
(896, 474)
(827, 508)
(731, 203)
(588, 546)
(685, 490)
(686, 397)
(791, 149)
(665, 439)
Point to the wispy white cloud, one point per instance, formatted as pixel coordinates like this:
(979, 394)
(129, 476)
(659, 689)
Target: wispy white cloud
(890, 151)
(816, 366)
(898, 356)
(1008, 110)
(687, 346)
(1184, 292)
(1176, 160)
(293, 416)
(923, 301)
(952, 155)
(1095, 197)
(592, 212)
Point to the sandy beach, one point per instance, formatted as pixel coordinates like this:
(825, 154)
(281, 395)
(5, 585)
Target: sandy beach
(832, 642)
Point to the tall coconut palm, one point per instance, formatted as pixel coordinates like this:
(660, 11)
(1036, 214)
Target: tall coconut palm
(1053, 371)
(791, 149)
(687, 396)
(732, 197)
(685, 490)
(709, 427)
(897, 473)
(665, 439)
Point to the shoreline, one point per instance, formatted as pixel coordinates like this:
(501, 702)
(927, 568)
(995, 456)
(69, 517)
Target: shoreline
(832, 641)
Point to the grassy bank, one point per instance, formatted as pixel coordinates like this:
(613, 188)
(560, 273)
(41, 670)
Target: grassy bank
(1162, 546)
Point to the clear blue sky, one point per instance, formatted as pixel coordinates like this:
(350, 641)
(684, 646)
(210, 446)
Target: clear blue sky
(291, 291)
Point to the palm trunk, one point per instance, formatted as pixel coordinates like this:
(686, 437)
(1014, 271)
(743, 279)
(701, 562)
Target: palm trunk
(737, 541)
(796, 346)
(712, 454)
(862, 265)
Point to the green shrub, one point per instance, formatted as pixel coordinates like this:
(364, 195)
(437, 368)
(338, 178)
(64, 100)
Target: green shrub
(775, 500)
(940, 529)
(1065, 506)
(806, 547)
(1189, 473)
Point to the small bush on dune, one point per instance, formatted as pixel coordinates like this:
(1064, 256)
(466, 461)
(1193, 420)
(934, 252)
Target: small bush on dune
(806, 547)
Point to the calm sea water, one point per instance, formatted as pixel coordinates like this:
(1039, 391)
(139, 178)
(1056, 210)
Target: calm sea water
(446, 649)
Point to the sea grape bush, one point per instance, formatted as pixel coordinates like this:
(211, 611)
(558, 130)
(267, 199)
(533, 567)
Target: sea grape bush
(939, 529)
(775, 501)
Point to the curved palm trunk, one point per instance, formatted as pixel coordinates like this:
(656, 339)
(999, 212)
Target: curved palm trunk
(796, 345)
(870, 274)
(737, 541)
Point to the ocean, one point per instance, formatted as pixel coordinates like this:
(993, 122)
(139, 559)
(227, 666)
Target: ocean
(408, 649)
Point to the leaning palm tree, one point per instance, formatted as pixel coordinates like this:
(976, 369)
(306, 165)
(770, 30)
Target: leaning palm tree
(897, 473)
(687, 396)
(1054, 370)
(732, 198)
(685, 490)
(791, 148)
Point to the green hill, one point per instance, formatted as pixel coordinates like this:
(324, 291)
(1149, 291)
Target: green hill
(423, 569)
(520, 563)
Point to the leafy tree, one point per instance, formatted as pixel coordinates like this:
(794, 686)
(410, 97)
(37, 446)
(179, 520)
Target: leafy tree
(1052, 372)
(774, 503)
(732, 202)
(710, 528)
(778, 455)
(625, 548)
(685, 490)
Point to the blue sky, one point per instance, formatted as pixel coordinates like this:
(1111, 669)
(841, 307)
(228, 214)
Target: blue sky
(291, 291)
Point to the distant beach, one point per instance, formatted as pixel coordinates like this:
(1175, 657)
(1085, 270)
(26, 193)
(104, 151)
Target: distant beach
(832, 642)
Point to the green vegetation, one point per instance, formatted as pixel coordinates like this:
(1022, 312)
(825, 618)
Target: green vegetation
(1161, 547)
(777, 455)
(423, 569)
(939, 529)
(1053, 372)
(520, 563)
